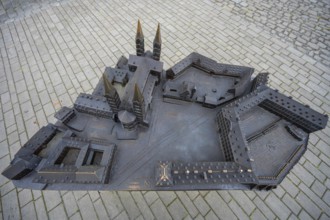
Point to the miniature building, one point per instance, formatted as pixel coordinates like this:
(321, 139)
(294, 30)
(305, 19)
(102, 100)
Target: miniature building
(157, 44)
(120, 76)
(27, 158)
(138, 104)
(139, 40)
(111, 95)
(127, 119)
(93, 105)
(200, 79)
(65, 114)
(205, 126)
(77, 160)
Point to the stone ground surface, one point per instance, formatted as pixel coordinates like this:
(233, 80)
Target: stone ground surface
(53, 50)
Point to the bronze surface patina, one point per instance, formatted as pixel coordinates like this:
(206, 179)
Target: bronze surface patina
(198, 125)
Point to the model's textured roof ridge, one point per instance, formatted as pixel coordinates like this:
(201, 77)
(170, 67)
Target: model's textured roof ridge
(213, 67)
(199, 125)
(260, 80)
(26, 158)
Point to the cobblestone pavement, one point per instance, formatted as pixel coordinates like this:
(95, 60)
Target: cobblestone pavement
(305, 23)
(13, 9)
(50, 56)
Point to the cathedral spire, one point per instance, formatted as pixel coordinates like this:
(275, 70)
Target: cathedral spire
(138, 97)
(157, 44)
(111, 95)
(138, 105)
(108, 88)
(139, 40)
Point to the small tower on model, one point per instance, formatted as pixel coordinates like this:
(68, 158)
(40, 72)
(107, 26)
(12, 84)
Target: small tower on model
(111, 95)
(139, 40)
(157, 45)
(138, 105)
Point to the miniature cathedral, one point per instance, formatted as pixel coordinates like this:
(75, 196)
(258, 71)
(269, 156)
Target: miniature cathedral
(133, 106)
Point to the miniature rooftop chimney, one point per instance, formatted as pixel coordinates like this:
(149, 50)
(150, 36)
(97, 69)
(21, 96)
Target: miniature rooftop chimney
(138, 104)
(139, 40)
(157, 45)
(111, 95)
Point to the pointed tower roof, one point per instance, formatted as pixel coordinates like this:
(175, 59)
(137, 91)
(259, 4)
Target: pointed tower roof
(158, 38)
(126, 117)
(108, 88)
(139, 33)
(137, 94)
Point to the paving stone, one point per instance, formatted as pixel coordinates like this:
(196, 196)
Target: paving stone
(24, 196)
(324, 217)
(3, 149)
(177, 210)
(9, 118)
(279, 191)
(2, 128)
(79, 194)
(199, 217)
(211, 216)
(143, 206)
(76, 216)
(219, 206)
(277, 206)
(325, 169)
(188, 204)
(225, 195)
(122, 216)
(243, 201)
(292, 204)
(201, 205)
(257, 215)
(36, 194)
(290, 187)
(317, 200)
(203, 193)
(250, 194)
(150, 197)
(326, 197)
(10, 207)
(112, 203)
(303, 174)
(166, 197)
(321, 145)
(304, 215)
(129, 204)
(318, 188)
(52, 199)
(28, 211)
(70, 203)
(160, 210)
(312, 158)
(58, 213)
(140, 217)
(308, 205)
(238, 211)
(100, 209)
(293, 178)
(86, 208)
(41, 209)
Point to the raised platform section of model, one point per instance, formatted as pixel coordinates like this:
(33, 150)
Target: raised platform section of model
(27, 159)
(77, 160)
(199, 79)
(196, 173)
(93, 105)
